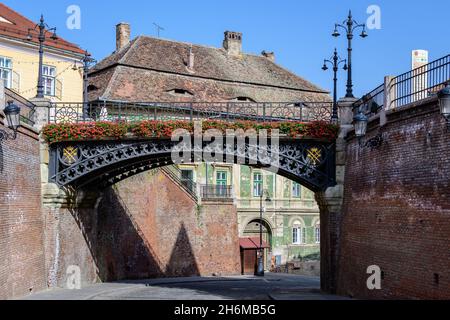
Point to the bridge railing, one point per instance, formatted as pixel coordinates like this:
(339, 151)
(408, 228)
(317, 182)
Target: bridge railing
(229, 111)
(412, 86)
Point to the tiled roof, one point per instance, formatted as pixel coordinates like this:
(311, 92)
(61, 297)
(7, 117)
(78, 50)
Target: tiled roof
(147, 55)
(14, 25)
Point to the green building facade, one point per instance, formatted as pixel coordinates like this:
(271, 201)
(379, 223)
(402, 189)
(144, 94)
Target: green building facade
(291, 218)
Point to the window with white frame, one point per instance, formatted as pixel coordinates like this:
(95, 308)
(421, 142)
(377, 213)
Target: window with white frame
(298, 234)
(49, 77)
(296, 190)
(6, 71)
(257, 184)
(317, 233)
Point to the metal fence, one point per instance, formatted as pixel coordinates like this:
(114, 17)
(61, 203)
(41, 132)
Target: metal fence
(420, 83)
(216, 192)
(409, 87)
(372, 102)
(230, 111)
(27, 108)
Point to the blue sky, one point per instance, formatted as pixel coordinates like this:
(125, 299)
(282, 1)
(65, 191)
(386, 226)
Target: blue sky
(299, 32)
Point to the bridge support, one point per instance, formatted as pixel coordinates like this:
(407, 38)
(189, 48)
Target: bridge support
(70, 224)
(331, 205)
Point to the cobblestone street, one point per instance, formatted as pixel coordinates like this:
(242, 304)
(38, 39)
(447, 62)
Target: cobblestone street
(271, 287)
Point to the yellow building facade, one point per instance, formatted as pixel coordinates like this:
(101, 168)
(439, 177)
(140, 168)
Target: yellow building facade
(19, 61)
(63, 75)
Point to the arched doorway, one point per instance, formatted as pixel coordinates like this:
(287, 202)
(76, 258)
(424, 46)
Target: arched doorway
(251, 235)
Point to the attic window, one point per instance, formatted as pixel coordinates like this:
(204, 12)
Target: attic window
(91, 87)
(243, 99)
(181, 92)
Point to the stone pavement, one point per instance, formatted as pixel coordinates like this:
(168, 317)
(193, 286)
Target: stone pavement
(271, 287)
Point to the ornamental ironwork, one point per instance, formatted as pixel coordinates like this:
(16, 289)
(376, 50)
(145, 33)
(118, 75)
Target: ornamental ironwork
(103, 163)
(227, 111)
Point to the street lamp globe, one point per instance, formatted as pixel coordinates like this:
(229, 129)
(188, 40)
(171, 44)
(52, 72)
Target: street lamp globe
(444, 103)
(360, 121)
(12, 113)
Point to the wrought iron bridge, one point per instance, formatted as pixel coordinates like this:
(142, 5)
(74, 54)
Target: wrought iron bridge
(98, 164)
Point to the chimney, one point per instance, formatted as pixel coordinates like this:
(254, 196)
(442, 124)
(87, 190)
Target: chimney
(191, 60)
(233, 43)
(122, 35)
(269, 55)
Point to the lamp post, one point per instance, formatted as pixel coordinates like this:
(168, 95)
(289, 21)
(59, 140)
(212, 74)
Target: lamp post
(444, 103)
(87, 61)
(12, 113)
(41, 38)
(260, 268)
(335, 61)
(350, 25)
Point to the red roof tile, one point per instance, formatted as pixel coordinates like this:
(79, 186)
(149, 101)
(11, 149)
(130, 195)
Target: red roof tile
(251, 243)
(18, 29)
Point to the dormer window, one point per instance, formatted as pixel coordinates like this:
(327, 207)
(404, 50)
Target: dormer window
(181, 92)
(91, 88)
(243, 99)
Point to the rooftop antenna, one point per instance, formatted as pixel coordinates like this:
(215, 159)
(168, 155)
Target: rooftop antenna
(158, 28)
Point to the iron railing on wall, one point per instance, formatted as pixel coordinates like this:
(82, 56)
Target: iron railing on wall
(187, 184)
(27, 108)
(409, 87)
(420, 83)
(229, 111)
(372, 102)
(216, 192)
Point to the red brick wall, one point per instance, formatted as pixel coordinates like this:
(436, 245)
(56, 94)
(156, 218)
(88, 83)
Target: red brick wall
(70, 240)
(22, 267)
(397, 210)
(149, 227)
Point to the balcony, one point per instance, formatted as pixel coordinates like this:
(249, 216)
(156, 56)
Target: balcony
(216, 192)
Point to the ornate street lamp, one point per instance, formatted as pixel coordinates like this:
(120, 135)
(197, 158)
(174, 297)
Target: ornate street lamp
(444, 103)
(87, 62)
(360, 122)
(350, 25)
(41, 37)
(335, 61)
(260, 269)
(12, 113)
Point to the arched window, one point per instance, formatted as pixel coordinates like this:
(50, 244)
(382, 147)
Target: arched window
(91, 88)
(298, 234)
(317, 233)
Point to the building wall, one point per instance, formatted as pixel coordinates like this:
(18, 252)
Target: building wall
(396, 209)
(22, 267)
(25, 66)
(283, 213)
(150, 227)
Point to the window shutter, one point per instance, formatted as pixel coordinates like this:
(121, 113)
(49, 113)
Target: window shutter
(58, 89)
(15, 82)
